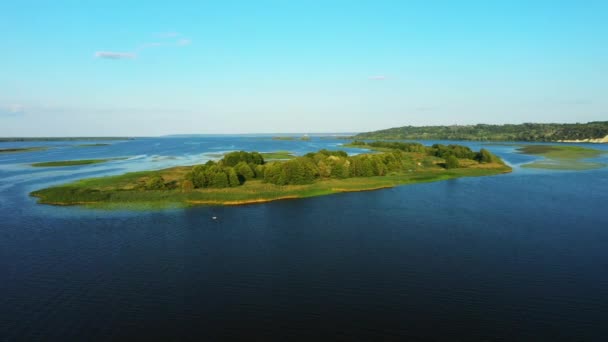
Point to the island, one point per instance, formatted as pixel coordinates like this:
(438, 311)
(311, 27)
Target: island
(25, 139)
(246, 177)
(292, 138)
(592, 132)
(61, 163)
(22, 149)
(562, 157)
(92, 145)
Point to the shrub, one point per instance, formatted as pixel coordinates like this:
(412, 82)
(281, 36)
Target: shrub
(187, 185)
(451, 162)
(155, 182)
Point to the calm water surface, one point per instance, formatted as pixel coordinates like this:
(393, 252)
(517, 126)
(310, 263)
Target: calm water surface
(522, 256)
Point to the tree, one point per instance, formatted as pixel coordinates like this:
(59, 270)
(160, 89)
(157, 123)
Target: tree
(484, 156)
(451, 162)
(244, 171)
(233, 179)
(155, 182)
(219, 180)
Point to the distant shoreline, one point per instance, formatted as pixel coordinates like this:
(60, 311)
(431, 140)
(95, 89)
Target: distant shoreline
(26, 139)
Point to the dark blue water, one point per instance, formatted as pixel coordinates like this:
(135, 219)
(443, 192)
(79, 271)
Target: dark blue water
(513, 257)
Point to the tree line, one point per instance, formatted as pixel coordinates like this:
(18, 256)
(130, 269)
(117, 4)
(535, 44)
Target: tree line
(482, 132)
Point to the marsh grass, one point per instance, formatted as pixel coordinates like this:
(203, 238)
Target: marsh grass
(558, 157)
(24, 149)
(73, 162)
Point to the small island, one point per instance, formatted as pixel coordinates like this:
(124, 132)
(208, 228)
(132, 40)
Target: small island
(246, 177)
(61, 163)
(92, 145)
(292, 138)
(562, 157)
(22, 149)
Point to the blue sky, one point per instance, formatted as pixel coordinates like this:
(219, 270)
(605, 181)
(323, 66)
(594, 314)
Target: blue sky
(168, 67)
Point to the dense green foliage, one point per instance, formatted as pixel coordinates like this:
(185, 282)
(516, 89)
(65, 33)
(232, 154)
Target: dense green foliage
(236, 168)
(437, 150)
(522, 132)
(451, 162)
(155, 182)
(232, 170)
(233, 158)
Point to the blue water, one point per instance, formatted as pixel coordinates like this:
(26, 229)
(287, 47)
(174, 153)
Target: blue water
(521, 256)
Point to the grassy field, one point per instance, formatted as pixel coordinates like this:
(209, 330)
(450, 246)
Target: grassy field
(562, 157)
(123, 191)
(73, 162)
(278, 155)
(24, 149)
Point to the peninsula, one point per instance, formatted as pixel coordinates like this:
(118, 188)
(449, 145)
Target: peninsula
(592, 132)
(245, 177)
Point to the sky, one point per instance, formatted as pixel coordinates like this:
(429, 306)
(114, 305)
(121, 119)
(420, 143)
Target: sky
(103, 68)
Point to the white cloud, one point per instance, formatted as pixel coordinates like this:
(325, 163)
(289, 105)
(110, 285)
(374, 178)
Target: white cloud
(378, 77)
(147, 45)
(170, 34)
(169, 39)
(115, 55)
(12, 110)
(184, 42)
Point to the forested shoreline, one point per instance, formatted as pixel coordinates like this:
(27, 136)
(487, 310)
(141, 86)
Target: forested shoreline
(542, 132)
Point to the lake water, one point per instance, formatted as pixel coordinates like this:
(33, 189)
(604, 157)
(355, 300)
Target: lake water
(522, 256)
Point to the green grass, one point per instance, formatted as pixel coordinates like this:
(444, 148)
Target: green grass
(24, 149)
(278, 155)
(122, 191)
(558, 157)
(73, 162)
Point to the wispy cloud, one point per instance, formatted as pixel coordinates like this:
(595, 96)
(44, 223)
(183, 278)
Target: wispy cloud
(170, 34)
(378, 77)
(167, 39)
(12, 110)
(115, 55)
(183, 42)
(149, 45)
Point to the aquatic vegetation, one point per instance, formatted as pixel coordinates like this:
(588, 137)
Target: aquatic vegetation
(73, 162)
(23, 149)
(557, 157)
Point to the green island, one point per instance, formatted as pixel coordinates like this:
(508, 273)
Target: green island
(291, 138)
(593, 132)
(73, 162)
(21, 139)
(245, 177)
(92, 145)
(22, 149)
(558, 157)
